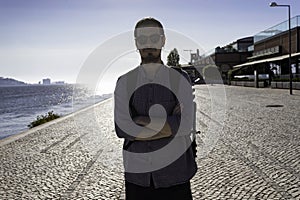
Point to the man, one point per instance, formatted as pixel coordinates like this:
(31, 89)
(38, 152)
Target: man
(154, 114)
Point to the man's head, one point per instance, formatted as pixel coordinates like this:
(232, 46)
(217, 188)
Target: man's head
(149, 39)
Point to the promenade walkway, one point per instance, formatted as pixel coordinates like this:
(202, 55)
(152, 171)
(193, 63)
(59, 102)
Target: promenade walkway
(249, 148)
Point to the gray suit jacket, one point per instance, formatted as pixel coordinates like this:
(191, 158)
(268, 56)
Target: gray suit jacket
(182, 167)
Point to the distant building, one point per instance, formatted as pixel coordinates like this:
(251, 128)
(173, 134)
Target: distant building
(59, 82)
(225, 58)
(195, 57)
(265, 54)
(271, 50)
(46, 81)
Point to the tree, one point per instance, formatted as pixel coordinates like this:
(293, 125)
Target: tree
(173, 58)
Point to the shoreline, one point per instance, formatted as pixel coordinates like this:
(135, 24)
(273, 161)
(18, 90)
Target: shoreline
(24, 133)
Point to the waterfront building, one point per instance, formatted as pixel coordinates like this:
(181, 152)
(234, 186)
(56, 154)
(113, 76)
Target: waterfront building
(271, 51)
(266, 53)
(46, 81)
(224, 58)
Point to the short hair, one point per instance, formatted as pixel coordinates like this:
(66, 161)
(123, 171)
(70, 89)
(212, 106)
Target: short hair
(148, 22)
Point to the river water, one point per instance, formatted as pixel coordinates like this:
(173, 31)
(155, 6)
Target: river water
(20, 105)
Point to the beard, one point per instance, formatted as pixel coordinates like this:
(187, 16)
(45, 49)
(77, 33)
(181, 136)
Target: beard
(150, 56)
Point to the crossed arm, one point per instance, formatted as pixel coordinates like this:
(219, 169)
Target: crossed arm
(169, 129)
(166, 131)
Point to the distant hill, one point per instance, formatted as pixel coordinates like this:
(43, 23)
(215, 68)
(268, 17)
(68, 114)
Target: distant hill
(10, 81)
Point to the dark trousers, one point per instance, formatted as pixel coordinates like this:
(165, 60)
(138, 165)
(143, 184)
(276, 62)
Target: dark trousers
(177, 192)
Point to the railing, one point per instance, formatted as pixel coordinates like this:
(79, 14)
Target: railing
(279, 28)
(286, 76)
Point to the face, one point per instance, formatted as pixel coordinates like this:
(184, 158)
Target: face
(149, 41)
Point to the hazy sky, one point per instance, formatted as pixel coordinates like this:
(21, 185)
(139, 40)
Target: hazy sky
(53, 38)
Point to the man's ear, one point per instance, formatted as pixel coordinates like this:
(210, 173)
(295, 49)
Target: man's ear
(163, 41)
(136, 44)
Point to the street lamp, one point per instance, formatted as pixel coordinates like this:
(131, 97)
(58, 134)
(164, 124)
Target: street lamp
(274, 4)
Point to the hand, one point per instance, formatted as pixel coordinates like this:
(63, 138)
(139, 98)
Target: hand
(141, 120)
(177, 109)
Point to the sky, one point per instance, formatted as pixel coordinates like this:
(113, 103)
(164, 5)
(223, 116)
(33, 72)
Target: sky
(55, 38)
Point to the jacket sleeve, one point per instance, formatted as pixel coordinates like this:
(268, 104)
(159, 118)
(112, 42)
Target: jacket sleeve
(121, 101)
(182, 123)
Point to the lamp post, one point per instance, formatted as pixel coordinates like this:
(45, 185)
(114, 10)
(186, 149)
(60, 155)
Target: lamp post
(274, 4)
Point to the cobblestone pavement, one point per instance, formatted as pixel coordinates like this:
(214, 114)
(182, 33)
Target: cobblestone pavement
(248, 149)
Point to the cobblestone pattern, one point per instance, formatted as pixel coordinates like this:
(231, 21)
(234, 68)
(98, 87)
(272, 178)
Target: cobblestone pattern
(257, 154)
(77, 158)
(252, 151)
